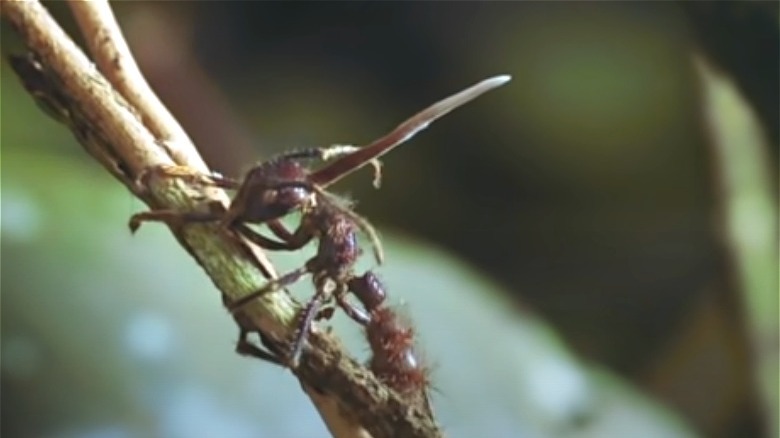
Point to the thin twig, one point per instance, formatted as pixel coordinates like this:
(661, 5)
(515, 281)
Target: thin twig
(114, 59)
(110, 117)
(60, 75)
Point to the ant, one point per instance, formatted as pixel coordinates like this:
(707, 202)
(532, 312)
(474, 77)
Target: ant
(275, 188)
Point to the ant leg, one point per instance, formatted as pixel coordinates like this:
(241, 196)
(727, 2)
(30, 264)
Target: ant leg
(308, 316)
(273, 285)
(271, 353)
(353, 312)
(290, 241)
(246, 348)
(224, 182)
(191, 176)
(280, 230)
(263, 241)
(377, 165)
(172, 217)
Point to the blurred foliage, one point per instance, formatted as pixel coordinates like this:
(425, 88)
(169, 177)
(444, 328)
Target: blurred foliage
(750, 223)
(131, 326)
(586, 188)
(739, 37)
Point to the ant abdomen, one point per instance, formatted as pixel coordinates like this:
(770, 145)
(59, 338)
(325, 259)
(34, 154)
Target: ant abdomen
(394, 358)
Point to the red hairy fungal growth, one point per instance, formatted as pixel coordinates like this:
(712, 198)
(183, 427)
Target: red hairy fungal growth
(394, 359)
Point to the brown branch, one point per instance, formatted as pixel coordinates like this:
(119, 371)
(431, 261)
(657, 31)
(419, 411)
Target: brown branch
(60, 76)
(114, 59)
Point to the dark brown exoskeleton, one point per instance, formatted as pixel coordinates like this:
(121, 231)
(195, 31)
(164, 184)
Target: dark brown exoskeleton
(275, 188)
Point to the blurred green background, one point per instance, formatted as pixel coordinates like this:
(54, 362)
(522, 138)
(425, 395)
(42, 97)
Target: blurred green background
(590, 250)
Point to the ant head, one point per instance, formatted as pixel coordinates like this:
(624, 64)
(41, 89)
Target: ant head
(272, 190)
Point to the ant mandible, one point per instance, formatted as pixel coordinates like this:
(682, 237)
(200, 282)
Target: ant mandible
(277, 187)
